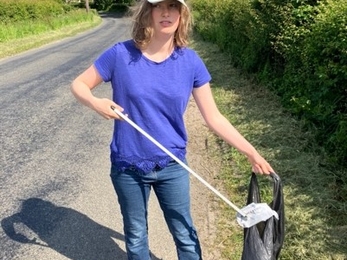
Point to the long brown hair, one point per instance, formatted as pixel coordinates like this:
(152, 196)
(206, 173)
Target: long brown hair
(142, 30)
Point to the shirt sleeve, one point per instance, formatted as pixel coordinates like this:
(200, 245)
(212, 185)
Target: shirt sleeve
(105, 63)
(202, 76)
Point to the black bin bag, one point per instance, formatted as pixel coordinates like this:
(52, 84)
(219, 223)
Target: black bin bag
(264, 240)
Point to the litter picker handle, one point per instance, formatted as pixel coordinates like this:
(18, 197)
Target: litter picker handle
(178, 161)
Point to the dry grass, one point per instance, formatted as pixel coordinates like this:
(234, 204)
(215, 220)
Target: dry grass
(315, 218)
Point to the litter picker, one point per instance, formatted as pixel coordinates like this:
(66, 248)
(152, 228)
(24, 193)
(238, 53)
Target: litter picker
(246, 217)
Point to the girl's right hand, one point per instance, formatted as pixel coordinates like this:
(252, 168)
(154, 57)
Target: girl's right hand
(104, 107)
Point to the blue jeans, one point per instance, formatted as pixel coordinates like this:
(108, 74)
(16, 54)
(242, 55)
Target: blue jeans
(172, 188)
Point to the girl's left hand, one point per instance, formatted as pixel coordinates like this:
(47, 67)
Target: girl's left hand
(260, 165)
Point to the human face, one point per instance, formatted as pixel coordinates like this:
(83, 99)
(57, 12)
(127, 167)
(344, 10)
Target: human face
(166, 17)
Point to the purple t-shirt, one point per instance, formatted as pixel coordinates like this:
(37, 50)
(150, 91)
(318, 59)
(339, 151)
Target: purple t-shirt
(155, 96)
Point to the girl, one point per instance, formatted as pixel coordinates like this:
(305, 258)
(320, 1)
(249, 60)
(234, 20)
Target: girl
(153, 76)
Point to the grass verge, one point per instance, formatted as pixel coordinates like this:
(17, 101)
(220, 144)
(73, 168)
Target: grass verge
(19, 37)
(315, 216)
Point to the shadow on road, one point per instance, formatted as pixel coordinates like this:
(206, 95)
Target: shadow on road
(65, 230)
(127, 13)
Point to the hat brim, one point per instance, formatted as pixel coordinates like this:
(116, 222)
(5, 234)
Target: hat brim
(158, 1)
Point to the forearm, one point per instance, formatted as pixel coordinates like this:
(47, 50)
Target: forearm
(82, 93)
(81, 87)
(231, 135)
(222, 127)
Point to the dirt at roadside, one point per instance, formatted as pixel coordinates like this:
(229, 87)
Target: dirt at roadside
(204, 202)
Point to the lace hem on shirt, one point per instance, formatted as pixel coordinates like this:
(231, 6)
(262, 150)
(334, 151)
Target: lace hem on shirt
(145, 166)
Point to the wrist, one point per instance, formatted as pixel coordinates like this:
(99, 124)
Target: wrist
(251, 154)
(92, 102)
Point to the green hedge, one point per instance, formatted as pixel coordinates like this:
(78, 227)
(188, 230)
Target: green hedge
(21, 10)
(112, 5)
(298, 48)
(315, 75)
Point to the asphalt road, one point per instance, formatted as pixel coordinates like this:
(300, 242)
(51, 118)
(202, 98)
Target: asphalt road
(56, 197)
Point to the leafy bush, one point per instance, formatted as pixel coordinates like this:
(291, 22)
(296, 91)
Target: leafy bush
(21, 10)
(298, 47)
(313, 86)
(103, 4)
(127, 2)
(220, 22)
